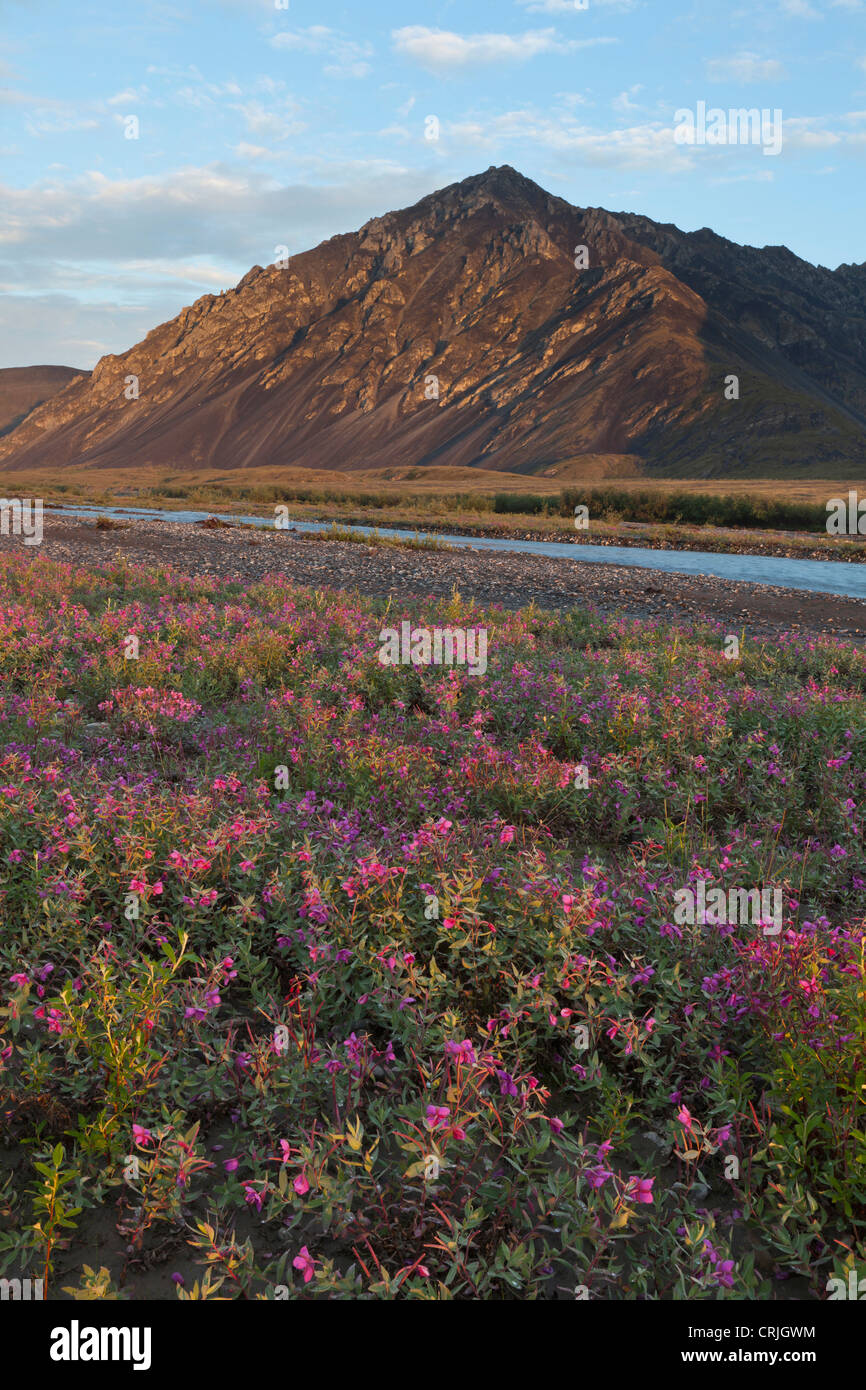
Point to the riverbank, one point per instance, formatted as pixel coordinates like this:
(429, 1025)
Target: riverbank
(722, 540)
(781, 545)
(510, 579)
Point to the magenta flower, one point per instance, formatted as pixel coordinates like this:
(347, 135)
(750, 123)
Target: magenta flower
(641, 1190)
(253, 1196)
(597, 1177)
(305, 1263)
(301, 1185)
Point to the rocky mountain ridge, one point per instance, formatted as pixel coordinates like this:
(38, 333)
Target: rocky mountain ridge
(473, 330)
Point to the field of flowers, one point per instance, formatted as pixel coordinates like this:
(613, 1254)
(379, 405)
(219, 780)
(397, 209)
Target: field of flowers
(326, 979)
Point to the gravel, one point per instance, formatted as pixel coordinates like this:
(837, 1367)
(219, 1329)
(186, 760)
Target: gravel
(510, 579)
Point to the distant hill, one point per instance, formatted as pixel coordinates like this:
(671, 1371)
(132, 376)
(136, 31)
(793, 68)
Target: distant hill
(24, 388)
(335, 361)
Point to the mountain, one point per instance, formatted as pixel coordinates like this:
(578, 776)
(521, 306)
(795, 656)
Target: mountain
(334, 361)
(24, 388)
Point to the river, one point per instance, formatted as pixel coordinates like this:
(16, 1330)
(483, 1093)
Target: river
(819, 576)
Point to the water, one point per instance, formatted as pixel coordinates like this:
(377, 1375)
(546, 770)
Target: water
(818, 576)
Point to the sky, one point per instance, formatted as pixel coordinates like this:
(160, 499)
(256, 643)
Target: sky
(152, 151)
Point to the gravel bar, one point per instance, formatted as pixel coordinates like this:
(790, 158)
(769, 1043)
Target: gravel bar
(510, 579)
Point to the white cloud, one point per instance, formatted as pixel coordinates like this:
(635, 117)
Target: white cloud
(222, 213)
(441, 50)
(58, 125)
(624, 102)
(755, 176)
(799, 9)
(245, 151)
(745, 67)
(646, 146)
(346, 57)
(200, 94)
(127, 96)
(278, 122)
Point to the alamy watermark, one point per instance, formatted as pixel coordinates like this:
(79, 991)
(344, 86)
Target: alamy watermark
(854, 1289)
(738, 126)
(436, 646)
(26, 518)
(846, 518)
(760, 906)
(21, 1290)
(77, 1343)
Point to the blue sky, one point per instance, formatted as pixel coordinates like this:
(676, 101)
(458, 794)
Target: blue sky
(261, 125)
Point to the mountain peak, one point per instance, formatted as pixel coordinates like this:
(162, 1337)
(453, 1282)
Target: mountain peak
(504, 178)
(501, 186)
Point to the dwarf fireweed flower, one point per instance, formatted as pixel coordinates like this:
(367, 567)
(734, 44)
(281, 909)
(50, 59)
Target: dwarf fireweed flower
(437, 1115)
(597, 1177)
(640, 1190)
(253, 1196)
(305, 1262)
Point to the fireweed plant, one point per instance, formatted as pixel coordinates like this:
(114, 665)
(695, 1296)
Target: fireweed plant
(325, 979)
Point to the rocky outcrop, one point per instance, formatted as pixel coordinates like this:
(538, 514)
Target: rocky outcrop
(22, 389)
